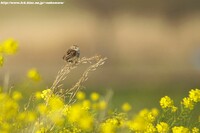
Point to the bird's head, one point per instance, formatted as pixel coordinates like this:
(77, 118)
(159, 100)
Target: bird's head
(75, 47)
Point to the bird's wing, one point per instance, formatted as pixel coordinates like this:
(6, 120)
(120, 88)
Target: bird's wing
(70, 53)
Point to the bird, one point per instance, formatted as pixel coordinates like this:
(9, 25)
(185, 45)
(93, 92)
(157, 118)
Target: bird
(72, 54)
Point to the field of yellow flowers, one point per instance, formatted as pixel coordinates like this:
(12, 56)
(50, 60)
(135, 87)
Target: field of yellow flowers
(49, 111)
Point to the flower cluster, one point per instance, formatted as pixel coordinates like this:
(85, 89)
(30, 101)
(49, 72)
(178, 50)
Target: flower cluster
(144, 121)
(192, 99)
(33, 74)
(90, 113)
(167, 103)
(7, 47)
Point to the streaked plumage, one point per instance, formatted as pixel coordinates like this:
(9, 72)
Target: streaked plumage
(72, 54)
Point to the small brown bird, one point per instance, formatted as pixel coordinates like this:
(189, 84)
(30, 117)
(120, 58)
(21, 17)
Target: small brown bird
(72, 54)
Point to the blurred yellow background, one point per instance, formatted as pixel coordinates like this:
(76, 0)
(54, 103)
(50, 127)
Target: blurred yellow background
(149, 44)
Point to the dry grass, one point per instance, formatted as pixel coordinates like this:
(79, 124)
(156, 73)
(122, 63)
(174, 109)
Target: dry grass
(69, 94)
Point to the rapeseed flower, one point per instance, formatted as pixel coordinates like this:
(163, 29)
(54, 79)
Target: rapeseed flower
(75, 113)
(139, 122)
(174, 109)
(162, 127)
(5, 127)
(126, 107)
(55, 103)
(110, 125)
(33, 74)
(8, 107)
(180, 129)
(194, 95)
(102, 105)
(86, 104)
(42, 130)
(80, 95)
(94, 96)
(188, 103)
(66, 110)
(166, 103)
(195, 130)
(150, 128)
(56, 117)
(80, 116)
(38, 95)
(107, 128)
(10, 46)
(42, 109)
(151, 115)
(16, 95)
(86, 123)
(27, 116)
(46, 94)
(155, 111)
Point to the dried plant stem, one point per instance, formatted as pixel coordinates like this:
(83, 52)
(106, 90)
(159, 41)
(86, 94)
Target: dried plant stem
(72, 91)
(94, 62)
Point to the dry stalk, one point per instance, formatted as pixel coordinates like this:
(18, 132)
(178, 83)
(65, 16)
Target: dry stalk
(70, 93)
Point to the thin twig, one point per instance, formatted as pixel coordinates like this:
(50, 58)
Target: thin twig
(94, 62)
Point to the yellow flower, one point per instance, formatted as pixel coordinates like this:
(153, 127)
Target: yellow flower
(34, 75)
(188, 103)
(38, 95)
(139, 122)
(16, 95)
(86, 123)
(28, 116)
(155, 111)
(102, 105)
(107, 128)
(10, 46)
(150, 128)
(86, 104)
(150, 117)
(42, 109)
(80, 95)
(46, 94)
(6, 127)
(180, 129)
(1, 60)
(166, 102)
(162, 127)
(94, 96)
(75, 113)
(174, 109)
(143, 112)
(194, 95)
(110, 125)
(195, 130)
(42, 130)
(66, 110)
(80, 116)
(126, 107)
(8, 107)
(56, 103)
(56, 117)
